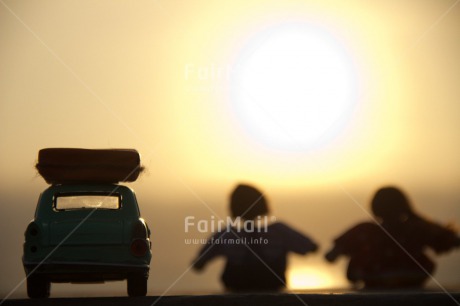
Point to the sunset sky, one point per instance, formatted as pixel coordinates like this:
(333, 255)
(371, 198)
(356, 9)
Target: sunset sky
(317, 103)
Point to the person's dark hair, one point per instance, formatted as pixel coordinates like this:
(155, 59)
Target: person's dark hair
(247, 202)
(390, 203)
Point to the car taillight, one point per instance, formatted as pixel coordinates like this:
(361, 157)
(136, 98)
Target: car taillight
(139, 247)
(32, 231)
(139, 230)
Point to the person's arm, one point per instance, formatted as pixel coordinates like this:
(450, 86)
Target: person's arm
(203, 257)
(332, 255)
(440, 238)
(351, 240)
(297, 242)
(208, 252)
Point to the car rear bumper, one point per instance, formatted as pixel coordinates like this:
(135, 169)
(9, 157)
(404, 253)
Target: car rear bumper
(84, 272)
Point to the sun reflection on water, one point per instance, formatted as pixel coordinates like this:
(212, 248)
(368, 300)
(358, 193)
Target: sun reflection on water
(310, 278)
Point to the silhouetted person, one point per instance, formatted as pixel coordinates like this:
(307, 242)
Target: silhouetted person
(254, 266)
(391, 253)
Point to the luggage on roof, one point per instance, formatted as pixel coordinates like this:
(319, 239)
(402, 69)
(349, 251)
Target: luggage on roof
(71, 165)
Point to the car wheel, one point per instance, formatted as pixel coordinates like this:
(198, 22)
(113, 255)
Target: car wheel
(38, 287)
(137, 285)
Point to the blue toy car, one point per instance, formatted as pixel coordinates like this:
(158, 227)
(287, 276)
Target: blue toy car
(87, 232)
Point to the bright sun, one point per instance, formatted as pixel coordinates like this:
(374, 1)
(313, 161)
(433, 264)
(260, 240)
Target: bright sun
(294, 87)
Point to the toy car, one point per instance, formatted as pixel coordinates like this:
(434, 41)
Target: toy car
(87, 232)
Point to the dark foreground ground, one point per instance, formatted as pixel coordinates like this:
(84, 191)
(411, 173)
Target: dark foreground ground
(372, 299)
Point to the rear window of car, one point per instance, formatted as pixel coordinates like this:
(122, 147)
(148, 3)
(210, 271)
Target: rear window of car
(86, 201)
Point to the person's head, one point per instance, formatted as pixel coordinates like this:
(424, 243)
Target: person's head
(247, 203)
(390, 204)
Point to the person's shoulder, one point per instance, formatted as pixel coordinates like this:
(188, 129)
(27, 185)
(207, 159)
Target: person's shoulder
(278, 225)
(281, 227)
(432, 229)
(224, 233)
(364, 228)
